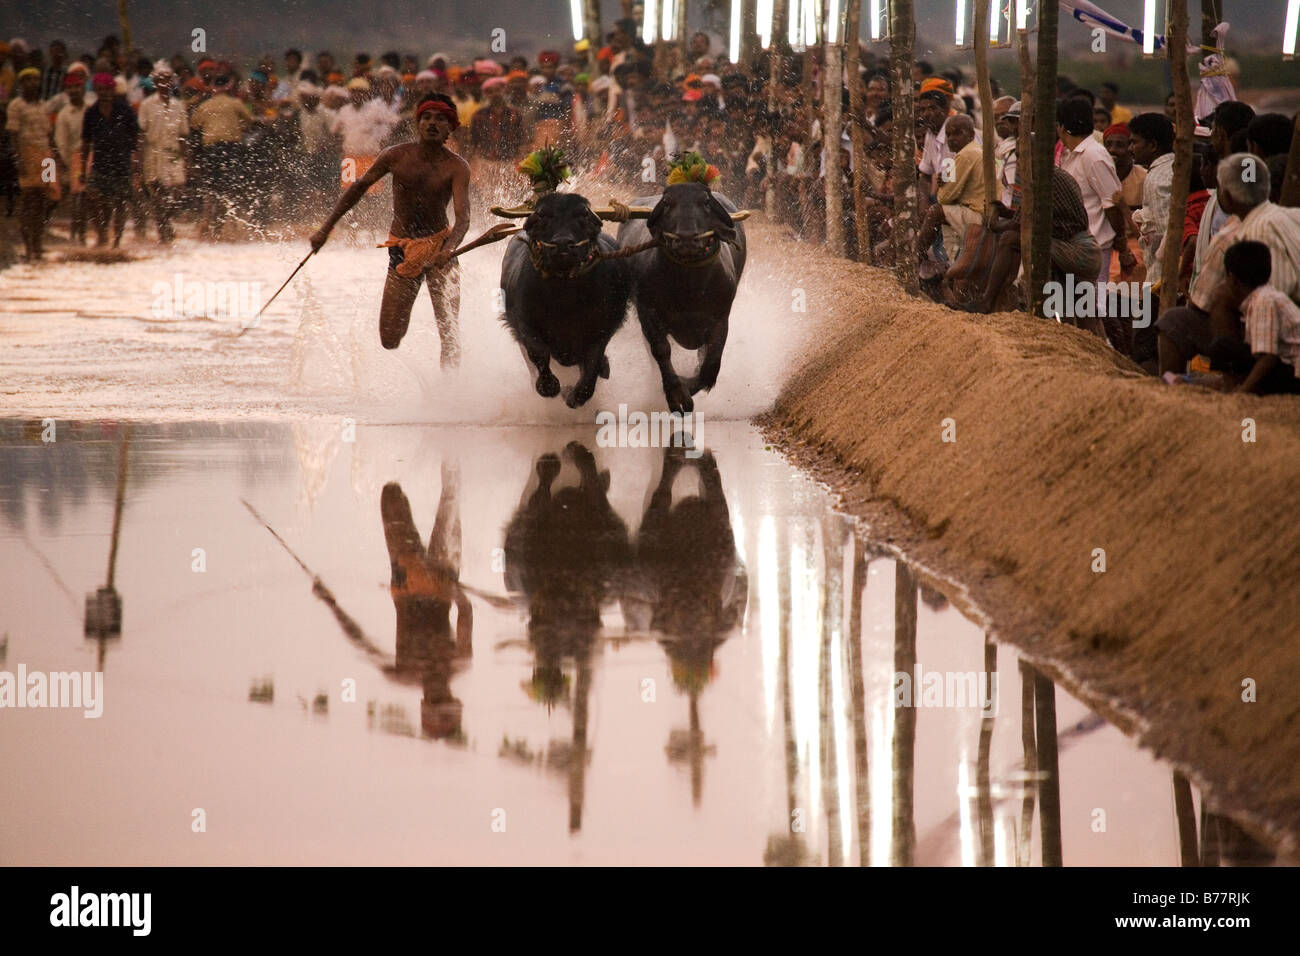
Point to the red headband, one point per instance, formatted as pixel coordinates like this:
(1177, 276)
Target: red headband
(448, 111)
(1120, 129)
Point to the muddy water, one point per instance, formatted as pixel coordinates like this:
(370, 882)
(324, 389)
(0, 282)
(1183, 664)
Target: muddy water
(131, 340)
(522, 648)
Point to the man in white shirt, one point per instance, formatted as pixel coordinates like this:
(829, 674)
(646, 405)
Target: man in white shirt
(1152, 138)
(164, 129)
(1088, 163)
(67, 147)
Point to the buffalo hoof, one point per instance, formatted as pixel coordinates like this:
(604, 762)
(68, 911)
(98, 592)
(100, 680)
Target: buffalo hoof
(548, 467)
(580, 395)
(679, 400)
(548, 386)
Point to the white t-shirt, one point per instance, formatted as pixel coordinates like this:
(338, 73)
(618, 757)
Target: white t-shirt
(1093, 169)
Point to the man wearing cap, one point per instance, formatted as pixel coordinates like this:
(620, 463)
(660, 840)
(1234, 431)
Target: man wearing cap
(223, 120)
(67, 147)
(29, 126)
(164, 129)
(109, 134)
(426, 177)
(1006, 123)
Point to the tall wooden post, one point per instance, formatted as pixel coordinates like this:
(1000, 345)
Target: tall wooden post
(1211, 13)
(902, 41)
(832, 127)
(857, 135)
(683, 41)
(1291, 184)
(986, 103)
(775, 73)
(1176, 46)
(1024, 152)
(125, 22)
(591, 26)
(748, 31)
(1042, 149)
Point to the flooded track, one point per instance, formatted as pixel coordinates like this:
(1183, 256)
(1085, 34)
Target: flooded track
(465, 632)
(595, 709)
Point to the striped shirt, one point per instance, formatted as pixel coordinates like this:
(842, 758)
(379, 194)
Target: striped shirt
(1153, 218)
(1272, 324)
(1278, 228)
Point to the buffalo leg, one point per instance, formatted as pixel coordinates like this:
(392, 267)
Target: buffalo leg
(548, 386)
(592, 364)
(707, 376)
(679, 399)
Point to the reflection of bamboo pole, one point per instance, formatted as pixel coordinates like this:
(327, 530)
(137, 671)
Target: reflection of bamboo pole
(783, 662)
(578, 758)
(903, 849)
(857, 688)
(1025, 839)
(831, 612)
(1186, 815)
(1048, 762)
(982, 784)
(697, 749)
(119, 501)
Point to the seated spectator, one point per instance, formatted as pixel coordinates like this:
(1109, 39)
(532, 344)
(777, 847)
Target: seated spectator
(960, 191)
(1264, 358)
(1243, 182)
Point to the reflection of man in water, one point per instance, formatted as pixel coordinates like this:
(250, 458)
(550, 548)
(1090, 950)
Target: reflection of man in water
(425, 585)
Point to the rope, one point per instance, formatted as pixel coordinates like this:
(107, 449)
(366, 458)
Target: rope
(629, 251)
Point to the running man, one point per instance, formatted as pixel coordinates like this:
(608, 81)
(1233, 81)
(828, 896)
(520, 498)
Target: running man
(426, 176)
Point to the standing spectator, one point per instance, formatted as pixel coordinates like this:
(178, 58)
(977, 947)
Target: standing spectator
(1110, 101)
(27, 124)
(67, 145)
(54, 72)
(222, 120)
(319, 147)
(164, 128)
(1153, 143)
(497, 130)
(1132, 175)
(108, 139)
(1088, 163)
(292, 75)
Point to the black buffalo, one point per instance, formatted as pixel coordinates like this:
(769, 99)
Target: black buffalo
(684, 286)
(562, 300)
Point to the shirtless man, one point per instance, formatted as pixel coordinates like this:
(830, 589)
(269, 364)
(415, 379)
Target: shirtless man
(426, 176)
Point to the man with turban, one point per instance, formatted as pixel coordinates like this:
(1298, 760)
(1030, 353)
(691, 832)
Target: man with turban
(29, 126)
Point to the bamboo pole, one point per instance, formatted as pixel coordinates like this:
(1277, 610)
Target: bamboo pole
(775, 72)
(1176, 45)
(986, 104)
(832, 127)
(902, 41)
(125, 20)
(857, 135)
(591, 26)
(1043, 146)
(1024, 152)
(1291, 184)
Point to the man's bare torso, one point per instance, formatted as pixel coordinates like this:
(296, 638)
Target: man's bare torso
(422, 188)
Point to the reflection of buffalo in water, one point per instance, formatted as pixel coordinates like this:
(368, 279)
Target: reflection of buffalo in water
(425, 586)
(687, 574)
(565, 551)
